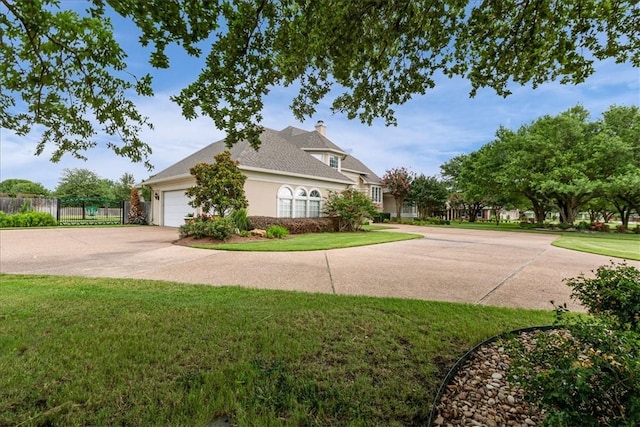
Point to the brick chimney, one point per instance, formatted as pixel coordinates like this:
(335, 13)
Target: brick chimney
(321, 128)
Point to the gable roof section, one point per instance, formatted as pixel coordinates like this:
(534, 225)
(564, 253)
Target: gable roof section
(275, 154)
(350, 163)
(314, 141)
(290, 131)
(311, 141)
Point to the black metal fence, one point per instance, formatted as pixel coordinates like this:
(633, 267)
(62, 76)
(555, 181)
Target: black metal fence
(90, 211)
(76, 211)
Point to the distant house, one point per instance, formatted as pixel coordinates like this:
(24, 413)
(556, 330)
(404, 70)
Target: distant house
(289, 176)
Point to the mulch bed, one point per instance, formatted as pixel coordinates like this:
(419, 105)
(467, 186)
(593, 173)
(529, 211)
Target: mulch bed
(190, 241)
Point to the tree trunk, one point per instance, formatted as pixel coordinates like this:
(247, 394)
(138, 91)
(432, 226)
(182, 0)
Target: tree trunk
(539, 209)
(399, 202)
(496, 214)
(472, 211)
(607, 216)
(422, 212)
(568, 209)
(625, 213)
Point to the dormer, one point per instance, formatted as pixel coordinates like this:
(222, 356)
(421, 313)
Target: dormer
(316, 144)
(330, 158)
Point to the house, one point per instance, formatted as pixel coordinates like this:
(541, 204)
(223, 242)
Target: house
(289, 176)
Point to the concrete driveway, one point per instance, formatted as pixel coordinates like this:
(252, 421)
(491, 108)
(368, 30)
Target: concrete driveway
(478, 267)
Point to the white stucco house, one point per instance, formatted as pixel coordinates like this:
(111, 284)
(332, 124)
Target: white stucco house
(289, 176)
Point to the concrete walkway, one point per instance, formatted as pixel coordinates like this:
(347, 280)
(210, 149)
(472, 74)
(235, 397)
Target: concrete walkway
(478, 267)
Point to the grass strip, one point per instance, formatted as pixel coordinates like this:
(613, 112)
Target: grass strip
(314, 242)
(623, 246)
(81, 351)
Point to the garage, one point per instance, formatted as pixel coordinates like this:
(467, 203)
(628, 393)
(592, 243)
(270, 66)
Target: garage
(175, 207)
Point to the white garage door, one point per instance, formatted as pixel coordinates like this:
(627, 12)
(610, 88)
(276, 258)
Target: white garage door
(176, 206)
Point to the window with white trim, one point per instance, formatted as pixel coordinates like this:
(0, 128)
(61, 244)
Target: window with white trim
(300, 203)
(315, 204)
(334, 161)
(376, 194)
(408, 208)
(285, 202)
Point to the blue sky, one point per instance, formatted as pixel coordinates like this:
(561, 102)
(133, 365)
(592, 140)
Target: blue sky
(431, 129)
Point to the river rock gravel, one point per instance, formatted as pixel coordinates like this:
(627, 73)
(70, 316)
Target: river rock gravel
(480, 394)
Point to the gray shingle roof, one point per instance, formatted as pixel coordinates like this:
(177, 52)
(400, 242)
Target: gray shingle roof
(353, 164)
(276, 153)
(312, 141)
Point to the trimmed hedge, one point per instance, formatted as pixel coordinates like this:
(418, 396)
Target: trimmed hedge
(294, 225)
(28, 219)
(381, 216)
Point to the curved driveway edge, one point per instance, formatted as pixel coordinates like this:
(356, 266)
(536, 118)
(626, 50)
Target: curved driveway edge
(471, 266)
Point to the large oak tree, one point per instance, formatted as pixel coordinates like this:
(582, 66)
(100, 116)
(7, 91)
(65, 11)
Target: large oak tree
(564, 161)
(62, 70)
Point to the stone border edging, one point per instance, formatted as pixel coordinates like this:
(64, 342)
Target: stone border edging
(456, 367)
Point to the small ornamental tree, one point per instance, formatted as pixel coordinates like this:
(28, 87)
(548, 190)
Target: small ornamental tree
(350, 208)
(136, 211)
(219, 186)
(398, 181)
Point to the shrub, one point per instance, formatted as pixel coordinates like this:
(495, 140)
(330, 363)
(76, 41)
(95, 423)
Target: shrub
(586, 376)
(599, 226)
(193, 228)
(381, 216)
(218, 228)
(526, 225)
(240, 220)
(583, 225)
(621, 229)
(589, 375)
(294, 225)
(614, 292)
(350, 208)
(277, 232)
(29, 219)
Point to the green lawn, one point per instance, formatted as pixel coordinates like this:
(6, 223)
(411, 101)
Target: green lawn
(315, 241)
(615, 245)
(79, 351)
(625, 246)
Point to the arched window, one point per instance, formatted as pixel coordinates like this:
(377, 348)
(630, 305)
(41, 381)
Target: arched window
(300, 203)
(315, 204)
(285, 202)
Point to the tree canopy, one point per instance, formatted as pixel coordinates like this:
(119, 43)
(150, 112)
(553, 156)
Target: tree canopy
(565, 161)
(83, 183)
(15, 186)
(429, 194)
(63, 69)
